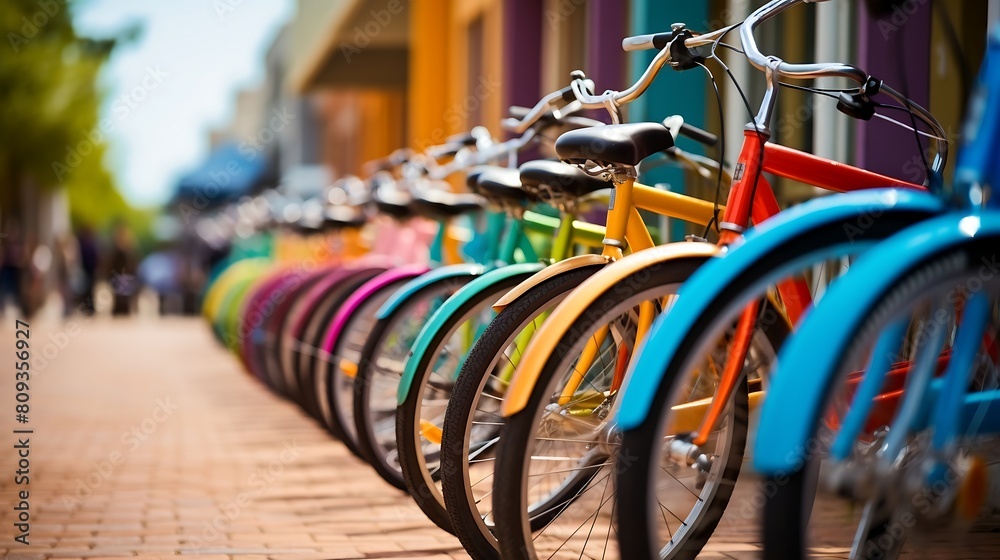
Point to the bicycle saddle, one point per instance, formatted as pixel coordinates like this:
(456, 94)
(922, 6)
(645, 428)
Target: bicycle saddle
(503, 184)
(389, 200)
(472, 176)
(614, 144)
(441, 204)
(558, 178)
(337, 217)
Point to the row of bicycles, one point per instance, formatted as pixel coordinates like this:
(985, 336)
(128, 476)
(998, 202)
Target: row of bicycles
(548, 378)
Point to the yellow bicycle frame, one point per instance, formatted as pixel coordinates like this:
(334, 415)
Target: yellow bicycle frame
(625, 230)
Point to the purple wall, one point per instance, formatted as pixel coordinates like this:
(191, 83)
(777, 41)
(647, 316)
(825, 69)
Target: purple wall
(607, 22)
(888, 49)
(522, 44)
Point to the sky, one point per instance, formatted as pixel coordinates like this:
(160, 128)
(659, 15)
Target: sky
(167, 89)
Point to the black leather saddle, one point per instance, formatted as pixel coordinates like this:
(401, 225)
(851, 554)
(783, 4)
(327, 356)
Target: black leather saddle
(503, 185)
(390, 201)
(614, 144)
(546, 177)
(439, 203)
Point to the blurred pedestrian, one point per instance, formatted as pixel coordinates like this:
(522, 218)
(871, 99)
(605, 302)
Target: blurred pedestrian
(89, 257)
(161, 271)
(123, 263)
(12, 263)
(70, 276)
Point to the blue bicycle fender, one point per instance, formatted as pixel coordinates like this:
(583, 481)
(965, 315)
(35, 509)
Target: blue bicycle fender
(808, 362)
(424, 280)
(436, 321)
(668, 331)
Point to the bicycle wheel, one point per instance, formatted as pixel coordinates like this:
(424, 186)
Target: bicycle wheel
(256, 308)
(304, 303)
(267, 307)
(685, 484)
(868, 492)
(277, 334)
(334, 380)
(420, 416)
(684, 345)
(380, 369)
(472, 421)
(552, 481)
(324, 301)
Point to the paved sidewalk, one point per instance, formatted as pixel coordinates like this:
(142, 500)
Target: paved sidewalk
(149, 441)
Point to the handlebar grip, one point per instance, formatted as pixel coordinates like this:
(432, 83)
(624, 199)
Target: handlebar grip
(567, 94)
(699, 135)
(443, 151)
(645, 42)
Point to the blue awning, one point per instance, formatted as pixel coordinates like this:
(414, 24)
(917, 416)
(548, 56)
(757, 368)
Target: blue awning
(228, 173)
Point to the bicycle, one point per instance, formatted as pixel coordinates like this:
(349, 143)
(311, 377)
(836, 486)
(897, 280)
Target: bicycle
(270, 301)
(380, 367)
(901, 408)
(441, 347)
(546, 389)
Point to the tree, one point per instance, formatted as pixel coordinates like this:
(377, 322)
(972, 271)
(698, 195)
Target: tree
(49, 106)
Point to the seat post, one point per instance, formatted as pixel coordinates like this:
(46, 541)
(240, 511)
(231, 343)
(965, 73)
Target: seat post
(619, 209)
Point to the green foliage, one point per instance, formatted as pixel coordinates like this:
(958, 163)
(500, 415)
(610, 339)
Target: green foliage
(49, 107)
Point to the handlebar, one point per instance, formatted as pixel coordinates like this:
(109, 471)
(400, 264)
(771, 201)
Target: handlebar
(773, 67)
(678, 127)
(776, 68)
(548, 119)
(547, 106)
(660, 41)
(645, 42)
(788, 70)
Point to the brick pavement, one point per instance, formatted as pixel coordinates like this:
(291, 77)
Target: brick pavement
(150, 442)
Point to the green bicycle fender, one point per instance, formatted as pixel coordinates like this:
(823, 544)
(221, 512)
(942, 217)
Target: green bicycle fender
(231, 273)
(451, 306)
(232, 310)
(424, 280)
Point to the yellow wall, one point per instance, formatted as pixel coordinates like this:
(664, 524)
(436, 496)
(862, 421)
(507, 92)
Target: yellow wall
(428, 88)
(440, 93)
(359, 126)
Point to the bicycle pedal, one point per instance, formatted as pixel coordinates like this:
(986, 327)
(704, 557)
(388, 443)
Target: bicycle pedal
(349, 368)
(430, 432)
(973, 490)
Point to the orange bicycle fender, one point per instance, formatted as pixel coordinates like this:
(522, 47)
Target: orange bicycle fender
(551, 271)
(546, 340)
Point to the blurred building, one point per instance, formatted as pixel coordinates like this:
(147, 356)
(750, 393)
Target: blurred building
(348, 81)
(393, 73)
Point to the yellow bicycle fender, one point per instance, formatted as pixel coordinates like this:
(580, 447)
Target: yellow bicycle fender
(545, 341)
(551, 271)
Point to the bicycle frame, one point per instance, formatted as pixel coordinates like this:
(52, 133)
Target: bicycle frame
(745, 207)
(751, 201)
(803, 395)
(942, 402)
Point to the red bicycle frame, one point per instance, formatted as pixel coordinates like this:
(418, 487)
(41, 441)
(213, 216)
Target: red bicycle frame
(751, 201)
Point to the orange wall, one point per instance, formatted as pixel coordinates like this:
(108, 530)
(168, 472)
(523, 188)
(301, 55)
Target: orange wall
(359, 126)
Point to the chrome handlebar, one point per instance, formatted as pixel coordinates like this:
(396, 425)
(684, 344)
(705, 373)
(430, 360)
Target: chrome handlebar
(776, 68)
(773, 67)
